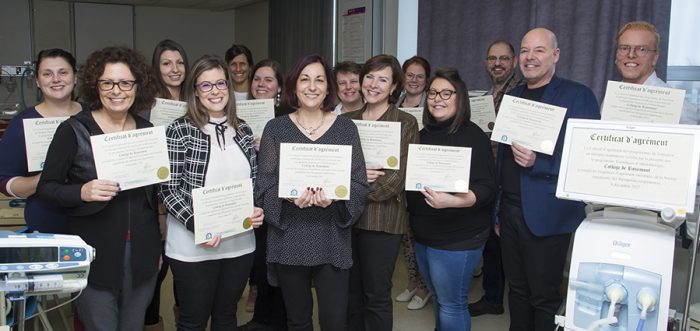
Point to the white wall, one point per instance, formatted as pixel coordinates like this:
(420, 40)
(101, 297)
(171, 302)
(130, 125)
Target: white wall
(252, 26)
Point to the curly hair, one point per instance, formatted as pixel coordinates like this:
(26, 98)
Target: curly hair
(95, 66)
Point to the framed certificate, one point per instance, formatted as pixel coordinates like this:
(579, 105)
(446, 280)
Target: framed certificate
(315, 165)
(483, 112)
(642, 103)
(442, 168)
(381, 142)
(165, 111)
(38, 133)
(648, 166)
(223, 210)
(132, 158)
(532, 124)
(416, 112)
(256, 113)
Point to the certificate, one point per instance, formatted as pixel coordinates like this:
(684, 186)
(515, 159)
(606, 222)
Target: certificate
(132, 158)
(640, 103)
(256, 113)
(381, 142)
(223, 209)
(483, 112)
(442, 168)
(38, 133)
(417, 112)
(648, 166)
(532, 124)
(165, 111)
(315, 165)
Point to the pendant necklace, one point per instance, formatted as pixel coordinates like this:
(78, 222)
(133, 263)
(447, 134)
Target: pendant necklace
(311, 130)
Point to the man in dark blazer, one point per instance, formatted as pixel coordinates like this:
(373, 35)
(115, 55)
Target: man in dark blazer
(536, 226)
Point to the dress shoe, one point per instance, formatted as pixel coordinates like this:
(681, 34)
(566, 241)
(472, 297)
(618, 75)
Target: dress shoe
(255, 326)
(418, 303)
(406, 295)
(482, 307)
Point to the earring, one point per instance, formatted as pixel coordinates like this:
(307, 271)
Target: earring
(277, 99)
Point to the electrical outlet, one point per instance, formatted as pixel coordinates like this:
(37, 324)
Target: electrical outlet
(7, 70)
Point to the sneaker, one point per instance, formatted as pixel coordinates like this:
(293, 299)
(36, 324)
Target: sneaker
(406, 295)
(482, 307)
(418, 303)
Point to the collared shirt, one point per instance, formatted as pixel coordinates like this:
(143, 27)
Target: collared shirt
(511, 83)
(386, 207)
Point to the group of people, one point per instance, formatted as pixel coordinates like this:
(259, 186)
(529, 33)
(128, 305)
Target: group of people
(345, 249)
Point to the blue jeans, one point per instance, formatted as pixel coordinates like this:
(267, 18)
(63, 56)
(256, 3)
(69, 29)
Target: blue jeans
(448, 275)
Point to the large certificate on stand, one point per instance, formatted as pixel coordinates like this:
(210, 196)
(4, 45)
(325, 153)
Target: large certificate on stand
(38, 133)
(223, 210)
(315, 165)
(641, 103)
(381, 142)
(532, 124)
(132, 158)
(165, 111)
(442, 168)
(648, 166)
(256, 113)
(483, 112)
(417, 112)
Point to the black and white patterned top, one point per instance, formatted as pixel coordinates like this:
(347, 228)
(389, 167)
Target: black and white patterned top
(188, 150)
(311, 236)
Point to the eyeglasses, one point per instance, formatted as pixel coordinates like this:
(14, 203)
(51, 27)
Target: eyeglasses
(208, 86)
(412, 76)
(108, 85)
(444, 94)
(639, 50)
(503, 58)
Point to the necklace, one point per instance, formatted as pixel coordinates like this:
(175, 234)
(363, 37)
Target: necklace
(311, 130)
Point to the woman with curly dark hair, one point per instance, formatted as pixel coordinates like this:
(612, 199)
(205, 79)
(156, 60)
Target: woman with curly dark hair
(122, 226)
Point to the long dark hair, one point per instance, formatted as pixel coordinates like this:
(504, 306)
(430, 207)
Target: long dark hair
(162, 46)
(290, 84)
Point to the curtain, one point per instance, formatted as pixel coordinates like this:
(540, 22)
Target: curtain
(457, 34)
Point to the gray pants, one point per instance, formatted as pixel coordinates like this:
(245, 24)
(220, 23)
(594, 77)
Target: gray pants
(112, 310)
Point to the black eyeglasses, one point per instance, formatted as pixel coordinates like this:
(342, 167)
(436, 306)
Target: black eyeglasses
(444, 94)
(503, 58)
(208, 86)
(639, 50)
(108, 85)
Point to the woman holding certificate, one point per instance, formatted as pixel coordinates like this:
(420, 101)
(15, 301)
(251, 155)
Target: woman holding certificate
(56, 78)
(308, 237)
(122, 225)
(377, 235)
(451, 229)
(208, 146)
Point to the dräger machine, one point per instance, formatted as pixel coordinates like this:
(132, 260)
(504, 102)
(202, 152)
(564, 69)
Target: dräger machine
(643, 177)
(36, 264)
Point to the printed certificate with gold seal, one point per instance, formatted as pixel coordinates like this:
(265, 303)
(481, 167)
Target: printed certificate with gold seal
(223, 209)
(483, 112)
(256, 113)
(416, 112)
(381, 142)
(38, 133)
(534, 125)
(642, 103)
(132, 158)
(165, 111)
(315, 165)
(442, 168)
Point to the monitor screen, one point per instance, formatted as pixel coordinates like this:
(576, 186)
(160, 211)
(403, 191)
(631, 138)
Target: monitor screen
(28, 254)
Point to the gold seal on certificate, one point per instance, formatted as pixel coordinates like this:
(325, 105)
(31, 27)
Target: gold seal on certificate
(483, 112)
(165, 111)
(256, 113)
(315, 165)
(642, 103)
(223, 210)
(416, 112)
(132, 158)
(442, 168)
(381, 142)
(535, 125)
(38, 133)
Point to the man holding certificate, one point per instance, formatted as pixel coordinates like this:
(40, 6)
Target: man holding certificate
(535, 226)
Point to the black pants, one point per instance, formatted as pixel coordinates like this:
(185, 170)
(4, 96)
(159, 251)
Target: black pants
(153, 310)
(269, 305)
(374, 257)
(494, 279)
(533, 266)
(210, 288)
(331, 290)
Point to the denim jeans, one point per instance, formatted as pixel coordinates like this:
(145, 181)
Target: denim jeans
(448, 275)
